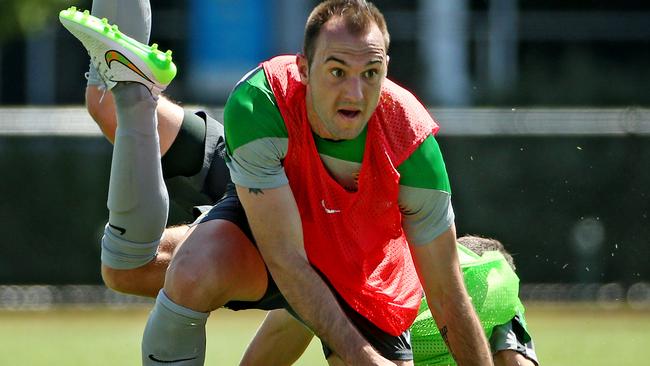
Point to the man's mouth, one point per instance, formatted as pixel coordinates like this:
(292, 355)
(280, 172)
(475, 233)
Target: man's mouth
(349, 113)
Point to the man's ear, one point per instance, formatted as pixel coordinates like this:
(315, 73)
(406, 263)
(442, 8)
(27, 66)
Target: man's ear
(387, 63)
(303, 68)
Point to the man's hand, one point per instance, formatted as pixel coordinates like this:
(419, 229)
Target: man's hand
(275, 221)
(439, 271)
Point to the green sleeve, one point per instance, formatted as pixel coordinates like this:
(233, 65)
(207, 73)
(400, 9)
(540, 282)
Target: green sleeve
(251, 113)
(425, 168)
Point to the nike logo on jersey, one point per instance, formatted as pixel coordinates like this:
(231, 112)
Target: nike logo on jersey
(153, 358)
(115, 56)
(120, 229)
(328, 210)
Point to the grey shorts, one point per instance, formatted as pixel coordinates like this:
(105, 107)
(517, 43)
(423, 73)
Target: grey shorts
(513, 336)
(391, 347)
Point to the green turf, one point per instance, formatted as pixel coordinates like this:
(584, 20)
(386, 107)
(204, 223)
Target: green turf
(564, 335)
(588, 335)
(104, 337)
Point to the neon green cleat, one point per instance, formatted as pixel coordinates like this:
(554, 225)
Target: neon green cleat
(117, 56)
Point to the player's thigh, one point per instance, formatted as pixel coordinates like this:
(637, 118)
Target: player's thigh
(511, 358)
(334, 360)
(280, 340)
(512, 344)
(171, 240)
(215, 264)
(403, 363)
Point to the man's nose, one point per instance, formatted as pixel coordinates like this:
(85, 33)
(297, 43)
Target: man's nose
(354, 89)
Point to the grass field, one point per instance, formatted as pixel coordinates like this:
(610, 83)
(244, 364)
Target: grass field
(565, 336)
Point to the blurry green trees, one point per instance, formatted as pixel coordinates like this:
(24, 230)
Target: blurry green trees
(21, 17)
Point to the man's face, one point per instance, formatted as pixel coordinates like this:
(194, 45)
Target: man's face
(344, 80)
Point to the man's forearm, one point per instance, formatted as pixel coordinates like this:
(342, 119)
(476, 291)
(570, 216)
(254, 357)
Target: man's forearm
(312, 299)
(461, 330)
(439, 271)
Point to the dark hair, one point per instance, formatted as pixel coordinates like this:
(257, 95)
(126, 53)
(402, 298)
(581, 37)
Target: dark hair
(358, 15)
(480, 245)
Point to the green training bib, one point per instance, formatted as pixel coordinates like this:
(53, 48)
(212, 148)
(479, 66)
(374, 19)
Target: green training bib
(494, 290)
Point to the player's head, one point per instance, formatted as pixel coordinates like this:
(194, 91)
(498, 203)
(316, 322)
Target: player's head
(359, 15)
(480, 245)
(344, 64)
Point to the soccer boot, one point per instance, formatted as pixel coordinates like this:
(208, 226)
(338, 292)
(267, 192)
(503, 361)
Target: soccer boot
(117, 56)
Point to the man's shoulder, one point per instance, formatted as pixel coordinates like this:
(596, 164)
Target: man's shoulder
(251, 112)
(425, 167)
(398, 93)
(398, 102)
(403, 120)
(251, 84)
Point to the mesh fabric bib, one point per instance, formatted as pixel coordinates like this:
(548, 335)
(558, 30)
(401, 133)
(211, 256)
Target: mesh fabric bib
(355, 238)
(494, 290)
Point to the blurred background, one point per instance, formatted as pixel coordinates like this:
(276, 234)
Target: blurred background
(543, 108)
(450, 52)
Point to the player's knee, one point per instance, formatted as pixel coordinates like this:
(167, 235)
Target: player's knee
(194, 280)
(215, 264)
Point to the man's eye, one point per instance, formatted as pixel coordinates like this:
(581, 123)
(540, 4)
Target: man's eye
(369, 74)
(336, 73)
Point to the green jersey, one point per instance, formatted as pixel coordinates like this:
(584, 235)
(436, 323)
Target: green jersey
(494, 290)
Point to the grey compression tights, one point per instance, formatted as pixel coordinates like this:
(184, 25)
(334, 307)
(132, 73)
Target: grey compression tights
(137, 199)
(138, 202)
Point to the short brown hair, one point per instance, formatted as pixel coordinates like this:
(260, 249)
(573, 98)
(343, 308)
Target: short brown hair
(479, 245)
(358, 15)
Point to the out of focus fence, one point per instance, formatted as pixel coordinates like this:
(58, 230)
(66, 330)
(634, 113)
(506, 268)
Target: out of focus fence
(566, 190)
(44, 297)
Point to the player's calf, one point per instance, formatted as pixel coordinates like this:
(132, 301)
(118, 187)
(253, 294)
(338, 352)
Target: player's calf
(148, 279)
(101, 107)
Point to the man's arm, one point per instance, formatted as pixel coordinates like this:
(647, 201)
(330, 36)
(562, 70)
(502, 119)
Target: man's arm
(275, 221)
(439, 271)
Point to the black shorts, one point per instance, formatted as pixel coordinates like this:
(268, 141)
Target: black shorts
(207, 185)
(391, 347)
(513, 336)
